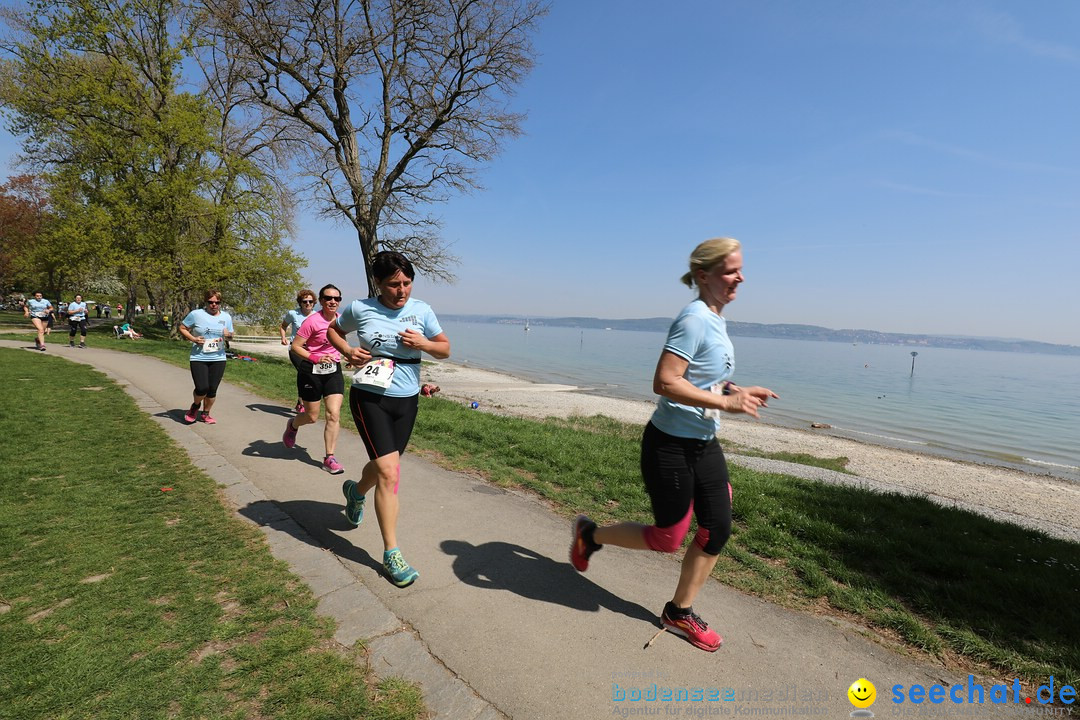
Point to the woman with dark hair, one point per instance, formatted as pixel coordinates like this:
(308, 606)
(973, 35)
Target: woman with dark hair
(207, 329)
(319, 376)
(394, 329)
(682, 462)
(39, 310)
(76, 315)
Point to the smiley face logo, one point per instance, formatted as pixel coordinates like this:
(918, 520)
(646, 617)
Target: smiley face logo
(862, 693)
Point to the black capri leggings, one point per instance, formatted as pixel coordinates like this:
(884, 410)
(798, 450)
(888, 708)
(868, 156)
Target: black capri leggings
(384, 423)
(74, 325)
(207, 376)
(683, 475)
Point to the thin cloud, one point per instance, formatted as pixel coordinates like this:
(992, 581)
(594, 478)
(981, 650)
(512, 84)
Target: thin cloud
(912, 139)
(1002, 28)
(916, 190)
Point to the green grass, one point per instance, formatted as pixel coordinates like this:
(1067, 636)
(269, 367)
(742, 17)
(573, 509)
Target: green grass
(119, 599)
(837, 464)
(974, 592)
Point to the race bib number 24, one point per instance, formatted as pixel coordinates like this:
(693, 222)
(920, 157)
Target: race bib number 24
(377, 372)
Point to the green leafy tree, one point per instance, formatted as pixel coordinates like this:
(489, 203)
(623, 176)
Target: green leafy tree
(24, 211)
(95, 89)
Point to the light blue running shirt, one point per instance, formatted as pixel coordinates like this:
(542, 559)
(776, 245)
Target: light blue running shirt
(294, 319)
(700, 337)
(378, 326)
(76, 311)
(201, 323)
(39, 308)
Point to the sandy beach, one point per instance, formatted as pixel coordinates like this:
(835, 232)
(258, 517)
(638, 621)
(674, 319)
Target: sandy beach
(1037, 501)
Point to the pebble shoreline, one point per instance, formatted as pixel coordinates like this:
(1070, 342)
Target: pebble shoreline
(1040, 502)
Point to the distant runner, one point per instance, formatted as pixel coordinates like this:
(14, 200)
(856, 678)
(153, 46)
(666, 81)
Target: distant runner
(38, 309)
(319, 376)
(207, 329)
(305, 305)
(76, 314)
(394, 329)
(681, 460)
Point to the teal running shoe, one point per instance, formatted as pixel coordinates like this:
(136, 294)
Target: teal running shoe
(400, 572)
(354, 505)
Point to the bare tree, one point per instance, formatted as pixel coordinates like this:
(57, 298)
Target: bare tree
(390, 105)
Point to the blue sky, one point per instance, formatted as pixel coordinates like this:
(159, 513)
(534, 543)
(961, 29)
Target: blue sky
(902, 165)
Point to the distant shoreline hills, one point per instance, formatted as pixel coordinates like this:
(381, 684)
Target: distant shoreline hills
(787, 332)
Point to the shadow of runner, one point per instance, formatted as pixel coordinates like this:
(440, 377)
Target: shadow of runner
(277, 451)
(505, 566)
(174, 415)
(317, 520)
(271, 409)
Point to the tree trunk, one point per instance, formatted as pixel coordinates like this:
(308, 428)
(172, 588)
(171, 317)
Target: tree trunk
(369, 246)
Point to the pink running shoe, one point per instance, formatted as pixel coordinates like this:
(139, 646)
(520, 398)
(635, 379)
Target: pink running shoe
(580, 548)
(192, 414)
(299, 407)
(289, 436)
(205, 417)
(332, 466)
(688, 624)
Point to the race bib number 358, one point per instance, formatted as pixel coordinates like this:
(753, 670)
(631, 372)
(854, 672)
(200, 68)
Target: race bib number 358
(326, 367)
(377, 372)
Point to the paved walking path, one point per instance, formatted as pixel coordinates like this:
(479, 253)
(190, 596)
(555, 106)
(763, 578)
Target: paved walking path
(499, 624)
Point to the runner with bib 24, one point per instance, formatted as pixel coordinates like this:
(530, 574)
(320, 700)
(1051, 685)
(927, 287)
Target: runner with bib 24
(394, 329)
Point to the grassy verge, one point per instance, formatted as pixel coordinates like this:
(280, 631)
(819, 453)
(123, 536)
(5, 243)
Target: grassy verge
(974, 592)
(126, 588)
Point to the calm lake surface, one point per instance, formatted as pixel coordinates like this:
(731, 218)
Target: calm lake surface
(1014, 409)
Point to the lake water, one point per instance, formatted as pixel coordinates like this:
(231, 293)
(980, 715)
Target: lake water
(1014, 409)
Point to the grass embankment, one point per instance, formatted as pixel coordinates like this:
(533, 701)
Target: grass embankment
(121, 599)
(977, 593)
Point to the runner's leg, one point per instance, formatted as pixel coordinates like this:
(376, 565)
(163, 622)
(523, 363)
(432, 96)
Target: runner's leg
(333, 422)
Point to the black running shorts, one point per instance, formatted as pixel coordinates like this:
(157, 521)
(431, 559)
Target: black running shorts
(384, 423)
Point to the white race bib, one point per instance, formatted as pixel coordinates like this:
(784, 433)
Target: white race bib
(211, 346)
(325, 367)
(714, 413)
(377, 372)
